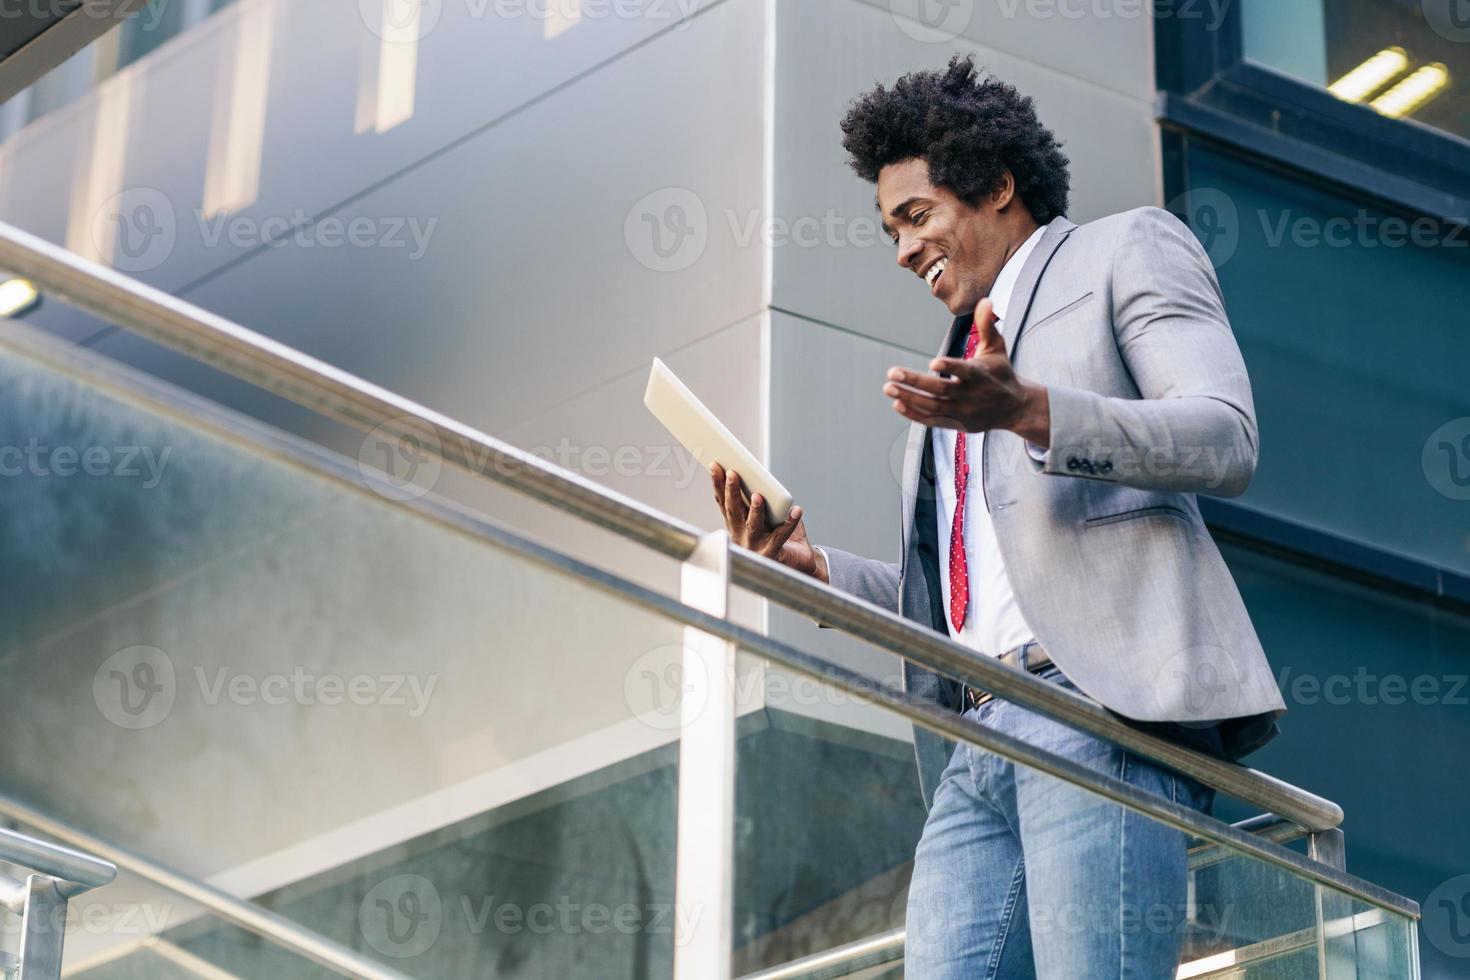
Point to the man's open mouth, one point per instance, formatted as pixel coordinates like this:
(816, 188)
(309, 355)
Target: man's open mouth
(935, 271)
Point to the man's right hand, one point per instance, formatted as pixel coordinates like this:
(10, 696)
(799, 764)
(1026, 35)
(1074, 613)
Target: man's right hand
(787, 542)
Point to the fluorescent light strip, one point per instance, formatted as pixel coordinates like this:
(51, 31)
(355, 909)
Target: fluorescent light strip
(1371, 75)
(17, 296)
(1411, 93)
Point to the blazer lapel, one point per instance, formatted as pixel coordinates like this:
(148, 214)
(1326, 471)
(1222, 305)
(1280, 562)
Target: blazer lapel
(1019, 307)
(918, 437)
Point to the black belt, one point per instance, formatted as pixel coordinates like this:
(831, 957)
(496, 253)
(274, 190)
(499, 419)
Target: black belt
(1036, 660)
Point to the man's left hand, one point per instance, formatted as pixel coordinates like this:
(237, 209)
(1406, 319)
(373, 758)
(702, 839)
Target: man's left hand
(982, 393)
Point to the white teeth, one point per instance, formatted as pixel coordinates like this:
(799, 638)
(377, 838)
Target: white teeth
(935, 270)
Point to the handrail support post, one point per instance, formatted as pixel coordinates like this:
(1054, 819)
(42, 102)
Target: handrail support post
(42, 930)
(705, 844)
(1328, 847)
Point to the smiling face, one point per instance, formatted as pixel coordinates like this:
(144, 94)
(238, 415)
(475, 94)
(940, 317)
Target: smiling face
(956, 249)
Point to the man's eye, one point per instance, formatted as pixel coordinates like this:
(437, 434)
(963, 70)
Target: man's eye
(918, 217)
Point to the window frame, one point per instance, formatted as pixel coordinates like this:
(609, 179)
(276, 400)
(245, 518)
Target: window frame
(1208, 86)
(1209, 92)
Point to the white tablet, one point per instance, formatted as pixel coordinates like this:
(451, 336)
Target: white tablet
(709, 441)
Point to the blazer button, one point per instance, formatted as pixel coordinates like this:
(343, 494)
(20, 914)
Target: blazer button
(1071, 462)
(1107, 466)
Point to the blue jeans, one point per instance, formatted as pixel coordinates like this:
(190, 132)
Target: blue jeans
(1020, 875)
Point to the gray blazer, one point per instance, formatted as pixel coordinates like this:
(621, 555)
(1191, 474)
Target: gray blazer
(1124, 322)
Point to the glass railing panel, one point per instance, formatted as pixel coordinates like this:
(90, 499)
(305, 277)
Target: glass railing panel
(827, 814)
(827, 829)
(439, 754)
(1360, 942)
(1243, 903)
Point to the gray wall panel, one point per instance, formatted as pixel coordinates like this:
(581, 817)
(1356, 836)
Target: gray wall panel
(1106, 43)
(529, 291)
(837, 445)
(155, 121)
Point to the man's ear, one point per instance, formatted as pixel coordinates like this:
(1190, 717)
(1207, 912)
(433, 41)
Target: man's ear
(1005, 190)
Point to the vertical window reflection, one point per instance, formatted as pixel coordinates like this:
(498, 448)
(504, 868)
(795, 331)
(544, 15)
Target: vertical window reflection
(91, 224)
(237, 121)
(562, 15)
(389, 67)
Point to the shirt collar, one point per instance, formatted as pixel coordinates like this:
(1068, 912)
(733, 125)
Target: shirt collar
(1005, 282)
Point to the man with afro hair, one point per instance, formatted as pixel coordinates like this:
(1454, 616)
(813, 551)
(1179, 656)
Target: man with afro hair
(1089, 387)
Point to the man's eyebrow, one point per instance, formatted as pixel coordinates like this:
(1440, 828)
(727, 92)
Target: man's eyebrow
(900, 209)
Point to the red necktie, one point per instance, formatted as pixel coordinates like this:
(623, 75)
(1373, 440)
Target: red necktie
(959, 573)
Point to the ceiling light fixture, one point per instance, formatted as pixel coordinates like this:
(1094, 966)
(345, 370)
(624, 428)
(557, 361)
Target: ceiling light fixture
(1371, 75)
(1410, 94)
(17, 296)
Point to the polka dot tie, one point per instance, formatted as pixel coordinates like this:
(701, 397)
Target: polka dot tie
(959, 572)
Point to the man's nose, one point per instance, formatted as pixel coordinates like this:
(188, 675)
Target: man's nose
(907, 253)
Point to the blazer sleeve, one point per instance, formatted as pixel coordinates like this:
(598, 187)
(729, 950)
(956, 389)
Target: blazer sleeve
(867, 578)
(1194, 428)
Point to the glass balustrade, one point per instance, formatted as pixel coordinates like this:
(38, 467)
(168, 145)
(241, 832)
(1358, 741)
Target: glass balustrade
(827, 818)
(310, 681)
(437, 753)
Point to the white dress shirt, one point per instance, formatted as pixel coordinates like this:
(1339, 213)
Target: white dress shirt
(993, 622)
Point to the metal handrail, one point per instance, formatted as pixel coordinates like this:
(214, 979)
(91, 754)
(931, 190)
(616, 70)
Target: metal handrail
(839, 961)
(74, 871)
(247, 915)
(1260, 843)
(339, 395)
